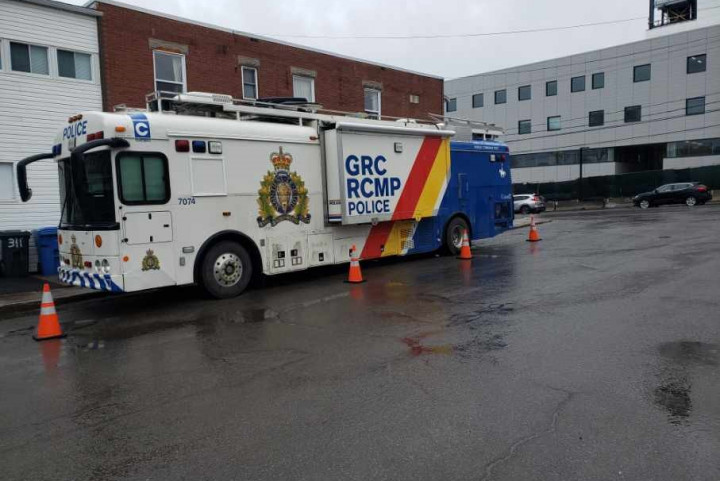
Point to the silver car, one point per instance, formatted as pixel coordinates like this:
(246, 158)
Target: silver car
(527, 203)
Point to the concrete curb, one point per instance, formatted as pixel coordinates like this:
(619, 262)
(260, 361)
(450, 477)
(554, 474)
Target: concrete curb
(33, 303)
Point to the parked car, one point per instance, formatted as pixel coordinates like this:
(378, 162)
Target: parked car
(527, 203)
(689, 193)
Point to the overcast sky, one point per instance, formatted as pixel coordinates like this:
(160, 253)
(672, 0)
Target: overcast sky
(446, 57)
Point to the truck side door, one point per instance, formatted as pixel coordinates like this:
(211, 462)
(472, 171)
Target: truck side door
(146, 248)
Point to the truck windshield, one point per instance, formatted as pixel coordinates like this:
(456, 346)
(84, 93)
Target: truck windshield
(86, 192)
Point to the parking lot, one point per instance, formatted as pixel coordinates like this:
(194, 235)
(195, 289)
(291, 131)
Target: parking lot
(591, 355)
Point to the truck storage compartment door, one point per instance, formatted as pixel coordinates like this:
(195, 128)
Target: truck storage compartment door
(147, 227)
(378, 173)
(147, 250)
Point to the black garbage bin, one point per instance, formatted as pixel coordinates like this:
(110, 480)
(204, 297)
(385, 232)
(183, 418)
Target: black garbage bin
(14, 253)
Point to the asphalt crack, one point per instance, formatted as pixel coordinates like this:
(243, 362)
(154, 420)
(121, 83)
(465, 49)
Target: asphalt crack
(523, 441)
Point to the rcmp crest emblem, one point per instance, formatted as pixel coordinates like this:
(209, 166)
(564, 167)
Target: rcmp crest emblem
(76, 258)
(150, 262)
(282, 194)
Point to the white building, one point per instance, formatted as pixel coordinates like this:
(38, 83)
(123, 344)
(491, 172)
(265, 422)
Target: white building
(643, 106)
(49, 70)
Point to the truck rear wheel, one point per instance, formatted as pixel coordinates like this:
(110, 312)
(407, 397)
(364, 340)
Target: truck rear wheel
(226, 270)
(454, 234)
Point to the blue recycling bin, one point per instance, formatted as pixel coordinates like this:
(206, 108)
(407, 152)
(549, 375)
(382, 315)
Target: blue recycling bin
(47, 244)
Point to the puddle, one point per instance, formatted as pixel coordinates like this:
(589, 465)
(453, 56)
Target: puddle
(690, 353)
(679, 360)
(675, 399)
(477, 315)
(483, 344)
(475, 347)
(246, 316)
(418, 349)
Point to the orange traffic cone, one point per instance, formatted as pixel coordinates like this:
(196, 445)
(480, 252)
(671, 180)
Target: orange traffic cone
(465, 253)
(533, 236)
(355, 275)
(49, 325)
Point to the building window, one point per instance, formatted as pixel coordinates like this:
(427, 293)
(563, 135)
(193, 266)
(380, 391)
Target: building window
(451, 105)
(553, 123)
(598, 80)
(633, 114)
(641, 73)
(304, 88)
(414, 99)
(7, 190)
(500, 96)
(478, 100)
(695, 106)
(143, 178)
(169, 72)
(551, 88)
(597, 118)
(566, 157)
(524, 127)
(693, 148)
(697, 63)
(250, 83)
(74, 65)
(29, 58)
(525, 92)
(372, 103)
(577, 84)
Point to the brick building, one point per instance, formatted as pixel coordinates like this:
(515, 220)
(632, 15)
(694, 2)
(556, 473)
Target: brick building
(143, 51)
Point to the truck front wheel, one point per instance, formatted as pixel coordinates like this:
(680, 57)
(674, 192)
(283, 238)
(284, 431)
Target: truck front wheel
(226, 270)
(454, 234)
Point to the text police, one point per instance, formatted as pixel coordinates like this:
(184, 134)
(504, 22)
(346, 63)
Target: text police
(369, 188)
(75, 130)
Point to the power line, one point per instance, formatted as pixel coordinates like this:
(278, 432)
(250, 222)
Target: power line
(510, 71)
(608, 113)
(461, 35)
(568, 147)
(468, 35)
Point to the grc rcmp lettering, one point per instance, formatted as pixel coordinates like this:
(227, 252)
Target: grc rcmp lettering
(369, 188)
(75, 130)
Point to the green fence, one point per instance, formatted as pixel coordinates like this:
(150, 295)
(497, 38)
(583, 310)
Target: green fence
(621, 185)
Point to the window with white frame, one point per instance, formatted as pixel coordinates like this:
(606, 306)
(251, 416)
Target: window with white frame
(304, 87)
(6, 181)
(29, 58)
(169, 72)
(372, 103)
(250, 83)
(74, 65)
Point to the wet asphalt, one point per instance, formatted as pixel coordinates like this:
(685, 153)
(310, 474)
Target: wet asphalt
(593, 355)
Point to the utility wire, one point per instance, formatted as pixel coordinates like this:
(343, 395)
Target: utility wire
(468, 35)
(616, 140)
(607, 113)
(510, 71)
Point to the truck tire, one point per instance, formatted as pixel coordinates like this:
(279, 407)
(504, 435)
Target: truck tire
(453, 235)
(226, 270)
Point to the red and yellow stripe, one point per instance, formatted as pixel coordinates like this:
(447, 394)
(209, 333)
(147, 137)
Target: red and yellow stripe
(418, 199)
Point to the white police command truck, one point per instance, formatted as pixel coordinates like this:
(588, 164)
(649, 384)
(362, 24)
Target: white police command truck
(201, 188)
